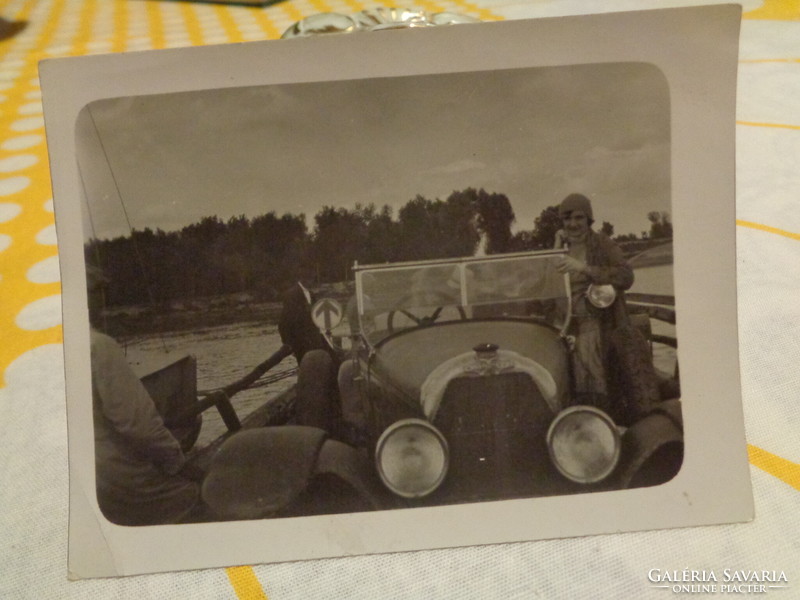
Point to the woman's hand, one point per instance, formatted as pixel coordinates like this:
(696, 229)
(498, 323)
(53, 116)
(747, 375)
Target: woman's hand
(571, 265)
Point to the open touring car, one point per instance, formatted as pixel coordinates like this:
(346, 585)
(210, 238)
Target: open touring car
(457, 388)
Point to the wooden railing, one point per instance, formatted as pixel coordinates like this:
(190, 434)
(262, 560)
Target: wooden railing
(656, 306)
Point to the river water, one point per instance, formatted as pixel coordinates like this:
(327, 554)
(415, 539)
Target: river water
(227, 353)
(224, 354)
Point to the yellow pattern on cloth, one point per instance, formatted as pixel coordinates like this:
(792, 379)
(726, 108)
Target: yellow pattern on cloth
(768, 229)
(779, 125)
(776, 10)
(783, 469)
(245, 583)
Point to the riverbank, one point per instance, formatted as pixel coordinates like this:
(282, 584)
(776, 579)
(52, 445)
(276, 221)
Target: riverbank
(134, 321)
(127, 322)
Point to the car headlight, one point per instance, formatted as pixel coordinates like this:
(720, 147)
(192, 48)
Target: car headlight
(412, 458)
(584, 444)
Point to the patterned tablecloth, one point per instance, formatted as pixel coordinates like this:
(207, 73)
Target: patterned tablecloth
(33, 432)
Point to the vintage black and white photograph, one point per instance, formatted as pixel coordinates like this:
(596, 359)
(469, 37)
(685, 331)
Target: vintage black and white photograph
(381, 293)
(349, 312)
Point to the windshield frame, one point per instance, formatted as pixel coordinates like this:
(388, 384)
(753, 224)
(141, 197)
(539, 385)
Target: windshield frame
(462, 264)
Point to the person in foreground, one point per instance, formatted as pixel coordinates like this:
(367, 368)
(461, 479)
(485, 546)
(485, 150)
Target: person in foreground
(605, 341)
(142, 475)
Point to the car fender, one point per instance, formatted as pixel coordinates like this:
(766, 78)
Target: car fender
(260, 473)
(652, 448)
(349, 465)
(257, 472)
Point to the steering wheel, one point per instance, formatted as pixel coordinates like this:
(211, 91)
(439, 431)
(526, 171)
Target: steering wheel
(427, 320)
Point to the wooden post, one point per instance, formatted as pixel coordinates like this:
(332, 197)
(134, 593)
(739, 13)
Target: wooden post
(222, 398)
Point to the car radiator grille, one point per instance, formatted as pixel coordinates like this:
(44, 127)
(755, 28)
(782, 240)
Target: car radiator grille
(495, 427)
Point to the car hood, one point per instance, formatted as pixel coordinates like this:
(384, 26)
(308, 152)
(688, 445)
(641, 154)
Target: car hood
(407, 359)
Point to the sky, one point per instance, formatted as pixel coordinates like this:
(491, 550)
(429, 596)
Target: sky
(534, 134)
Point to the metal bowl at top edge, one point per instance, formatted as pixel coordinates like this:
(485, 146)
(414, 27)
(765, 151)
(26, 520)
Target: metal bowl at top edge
(373, 19)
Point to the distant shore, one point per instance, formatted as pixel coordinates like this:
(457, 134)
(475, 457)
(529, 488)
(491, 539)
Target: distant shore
(132, 322)
(129, 322)
(190, 314)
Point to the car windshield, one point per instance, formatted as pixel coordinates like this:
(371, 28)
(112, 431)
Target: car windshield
(408, 295)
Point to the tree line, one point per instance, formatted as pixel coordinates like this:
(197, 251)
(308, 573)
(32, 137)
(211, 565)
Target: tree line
(261, 256)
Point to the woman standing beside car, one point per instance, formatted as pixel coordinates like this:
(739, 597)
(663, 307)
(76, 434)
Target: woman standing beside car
(609, 353)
